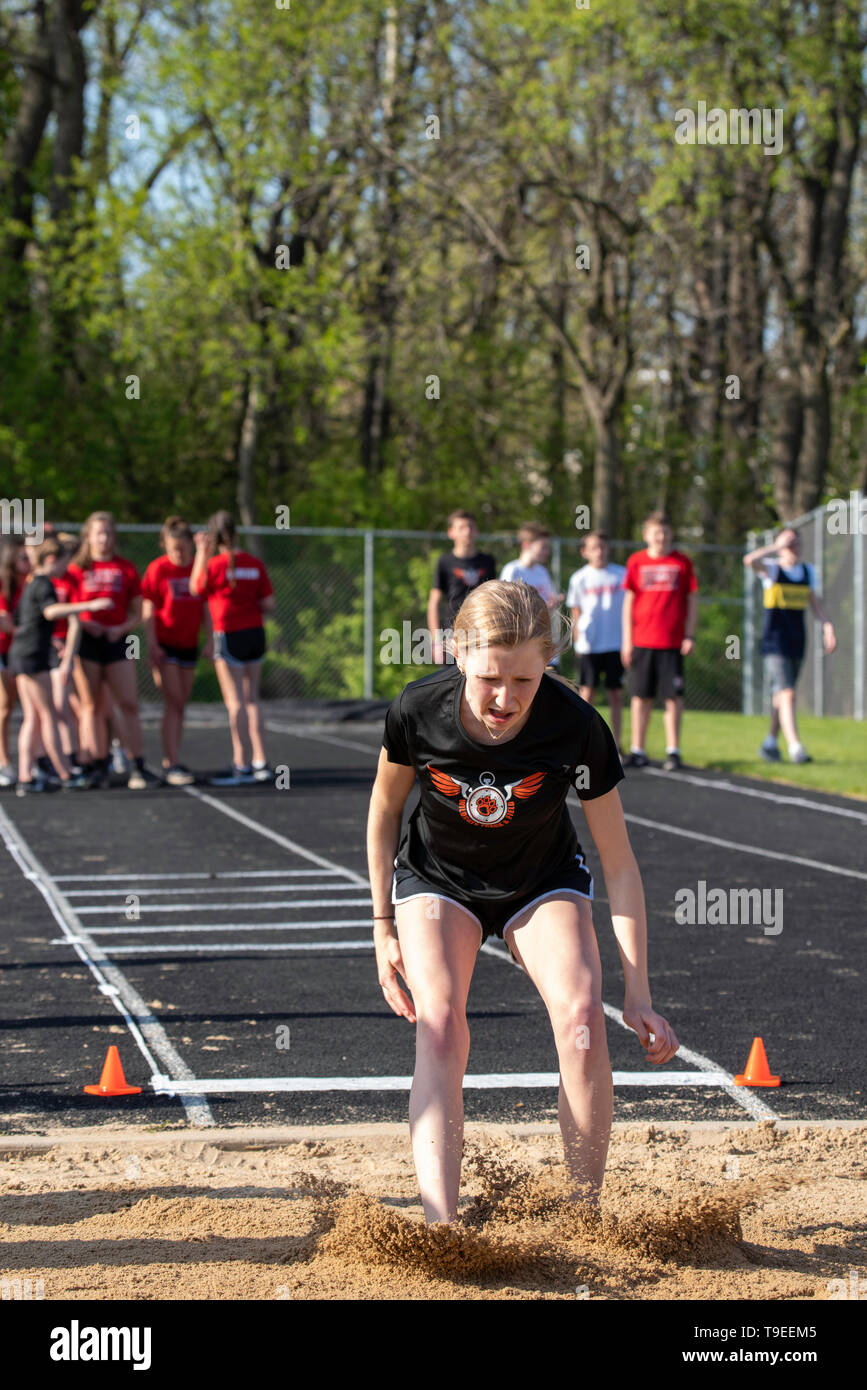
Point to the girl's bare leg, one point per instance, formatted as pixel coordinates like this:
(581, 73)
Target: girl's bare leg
(231, 680)
(88, 683)
(27, 732)
(38, 689)
(177, 683)
(439, 943)
(252, 676)
(556, 945)
(121, 680)
(7, 700)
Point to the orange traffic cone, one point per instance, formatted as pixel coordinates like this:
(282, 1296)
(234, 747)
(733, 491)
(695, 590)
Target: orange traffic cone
(758, 1073)
(113, 1082)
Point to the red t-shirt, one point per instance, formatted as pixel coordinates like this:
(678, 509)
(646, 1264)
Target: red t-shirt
(177, 612)
(6, 637)
(234, 607)
(660, 587)
(64, 587)
(116, 579)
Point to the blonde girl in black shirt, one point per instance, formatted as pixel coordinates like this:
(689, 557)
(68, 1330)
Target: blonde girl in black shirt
(496, 742)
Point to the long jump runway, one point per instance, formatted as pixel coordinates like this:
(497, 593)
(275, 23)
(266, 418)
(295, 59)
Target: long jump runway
(222, 938)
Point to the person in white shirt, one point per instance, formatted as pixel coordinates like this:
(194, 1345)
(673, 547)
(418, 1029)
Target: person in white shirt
(531, 567)
(596, 599)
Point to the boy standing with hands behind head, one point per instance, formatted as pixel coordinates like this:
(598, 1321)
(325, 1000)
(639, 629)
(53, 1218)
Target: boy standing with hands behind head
(660, 612)
(457, 573)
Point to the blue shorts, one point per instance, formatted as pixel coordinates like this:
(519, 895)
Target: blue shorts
(782, 671)
(494, 917)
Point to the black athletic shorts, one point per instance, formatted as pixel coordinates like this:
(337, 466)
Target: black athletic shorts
(494, 917)
(101, 650)
(592, 665)
(180, 656)
(656, 670)
(29, 665)
(240, 648)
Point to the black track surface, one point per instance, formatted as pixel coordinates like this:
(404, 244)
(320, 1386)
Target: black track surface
(801, 990)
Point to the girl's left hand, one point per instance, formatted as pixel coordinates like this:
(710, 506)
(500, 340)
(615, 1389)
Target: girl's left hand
(645, 1021)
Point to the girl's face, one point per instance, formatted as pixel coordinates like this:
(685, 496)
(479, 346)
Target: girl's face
(501, 683)
(101, 540)
(179, 551)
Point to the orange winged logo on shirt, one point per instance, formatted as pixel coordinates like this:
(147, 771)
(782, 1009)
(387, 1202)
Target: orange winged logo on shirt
(486, 804)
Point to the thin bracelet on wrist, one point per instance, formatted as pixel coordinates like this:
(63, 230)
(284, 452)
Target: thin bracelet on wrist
(385, 917)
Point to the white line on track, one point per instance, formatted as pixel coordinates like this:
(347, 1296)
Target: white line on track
(278, 839)
(722, 786)
(147, 1031)
(224, 888)
(483, 1081)
(235, 873)
(298, 732)
(177, 930)
(171, 949)
(746, 849)
(741, 1094)
(232, 907)
(750, 1102)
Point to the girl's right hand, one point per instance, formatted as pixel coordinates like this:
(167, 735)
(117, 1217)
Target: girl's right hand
(203, 541)
(388, 962)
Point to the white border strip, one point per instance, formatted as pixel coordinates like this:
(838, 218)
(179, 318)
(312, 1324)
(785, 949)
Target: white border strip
(147, 1031)
(490, 1081)
(224, 888)
(746, 849)
(232, 907)
(237, 873)
(134, 930)
(722, 786)
(172, 950)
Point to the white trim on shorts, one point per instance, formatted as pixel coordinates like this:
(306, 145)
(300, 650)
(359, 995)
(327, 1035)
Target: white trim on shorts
(552, 893)
(443, 899)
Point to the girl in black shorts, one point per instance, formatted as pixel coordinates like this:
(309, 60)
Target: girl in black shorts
(98, 571)
(31, 658)
(239, 593)
(495, 742)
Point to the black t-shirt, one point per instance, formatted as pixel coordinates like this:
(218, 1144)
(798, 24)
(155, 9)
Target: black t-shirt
(492, 822)
(32, 642)
(457, 577)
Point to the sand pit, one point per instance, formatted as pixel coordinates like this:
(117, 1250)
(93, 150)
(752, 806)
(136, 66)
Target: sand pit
(738, 1213)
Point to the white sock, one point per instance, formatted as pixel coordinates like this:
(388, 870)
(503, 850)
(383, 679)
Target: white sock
(673, 750)
(795, 748)
(257, 763)
(633, 749)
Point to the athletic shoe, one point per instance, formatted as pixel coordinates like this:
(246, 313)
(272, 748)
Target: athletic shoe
(672, 762)
(7, 776)
(119, 760)
(637, 760)
(235, 777)
(800, 755)
(263, 773)
(178, 776)
(769, 751)
(97, 777)
(76, 783)
(43, 770)
(29, 788)
(141, 777)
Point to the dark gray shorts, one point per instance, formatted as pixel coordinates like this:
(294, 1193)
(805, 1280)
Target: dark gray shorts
(494, 917)
(783, 671)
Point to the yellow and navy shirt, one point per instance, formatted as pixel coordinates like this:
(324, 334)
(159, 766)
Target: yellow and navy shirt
(492, 821)
(786, 596)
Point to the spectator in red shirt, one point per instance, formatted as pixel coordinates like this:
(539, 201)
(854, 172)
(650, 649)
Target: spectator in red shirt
(14, 569)
(660, 613)
(99, 571)
(239, 592)
(173, 618)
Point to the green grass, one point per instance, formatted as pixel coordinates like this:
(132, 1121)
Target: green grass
(730, 743)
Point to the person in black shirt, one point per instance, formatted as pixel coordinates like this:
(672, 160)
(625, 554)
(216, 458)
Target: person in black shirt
(457, 574)
(496, 741)
(30, 658)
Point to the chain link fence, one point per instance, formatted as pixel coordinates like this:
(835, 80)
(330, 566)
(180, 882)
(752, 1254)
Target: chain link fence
(833, 540)
(348, 601)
